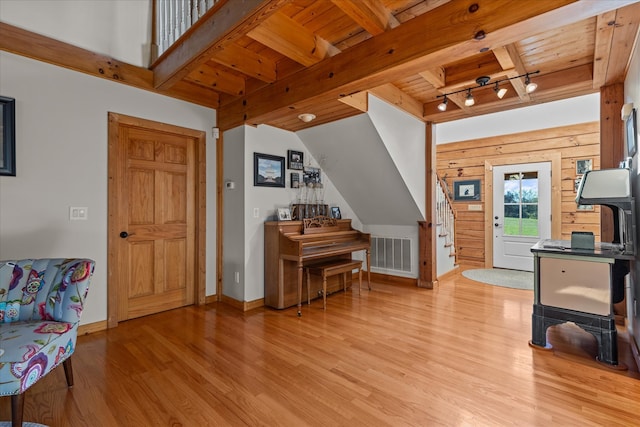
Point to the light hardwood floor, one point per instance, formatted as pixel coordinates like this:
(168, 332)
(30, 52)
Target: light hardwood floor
(394, 356)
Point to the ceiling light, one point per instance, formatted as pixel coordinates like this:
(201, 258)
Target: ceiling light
(530, 86)
(469, 101)
(443, 105)
(500, 92)
(307, 117)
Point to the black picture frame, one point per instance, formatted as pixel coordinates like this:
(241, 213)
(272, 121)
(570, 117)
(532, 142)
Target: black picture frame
(268, 170)
(632, 133)
(466, 190)
(7, 136)
(335, 212)
(295, 159)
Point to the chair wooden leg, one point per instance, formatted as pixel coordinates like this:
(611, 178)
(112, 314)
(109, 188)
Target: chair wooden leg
(17, 407)
(68, 371)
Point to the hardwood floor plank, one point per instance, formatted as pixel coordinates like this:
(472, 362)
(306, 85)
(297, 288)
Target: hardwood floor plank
(394, 356)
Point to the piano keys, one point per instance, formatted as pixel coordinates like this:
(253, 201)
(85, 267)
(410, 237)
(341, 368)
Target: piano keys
(290, 246)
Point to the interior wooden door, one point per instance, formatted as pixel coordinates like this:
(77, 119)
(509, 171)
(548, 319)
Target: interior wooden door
(154, 190)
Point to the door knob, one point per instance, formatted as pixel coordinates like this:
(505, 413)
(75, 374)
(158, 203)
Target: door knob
(124, 234)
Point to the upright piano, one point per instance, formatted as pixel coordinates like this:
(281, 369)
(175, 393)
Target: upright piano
(290, 246)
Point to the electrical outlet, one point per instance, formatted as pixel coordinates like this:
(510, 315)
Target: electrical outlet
(78, 213)
(236, 277)
(256, 212)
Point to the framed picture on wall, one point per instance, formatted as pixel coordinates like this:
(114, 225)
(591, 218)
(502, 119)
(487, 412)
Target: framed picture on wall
(632, 133)
(466, 190)
(295, 159)
(268, 170)
(7, 136)
(583, 165)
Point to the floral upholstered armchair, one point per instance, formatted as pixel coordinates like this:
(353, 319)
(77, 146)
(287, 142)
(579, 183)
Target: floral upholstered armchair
(41, 301)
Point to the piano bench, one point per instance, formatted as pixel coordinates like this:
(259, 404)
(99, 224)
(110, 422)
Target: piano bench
(331, 268)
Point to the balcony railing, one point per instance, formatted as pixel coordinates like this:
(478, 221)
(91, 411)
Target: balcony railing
(174, 17)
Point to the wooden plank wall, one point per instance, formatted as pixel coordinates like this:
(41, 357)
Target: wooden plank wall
(465, 160)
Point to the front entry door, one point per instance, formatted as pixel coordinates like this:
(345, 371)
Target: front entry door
(521, 212)
(155, 216)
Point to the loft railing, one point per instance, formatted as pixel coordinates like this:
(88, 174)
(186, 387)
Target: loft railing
(445, 216)
(174, 17)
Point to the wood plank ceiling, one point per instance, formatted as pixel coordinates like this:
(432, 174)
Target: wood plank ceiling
(267, 61)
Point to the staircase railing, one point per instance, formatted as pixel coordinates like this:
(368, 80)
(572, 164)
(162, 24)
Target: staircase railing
(446, 216)
(174, 17)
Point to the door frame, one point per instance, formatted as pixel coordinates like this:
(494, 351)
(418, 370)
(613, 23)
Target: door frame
(113, 277)
(556, 195)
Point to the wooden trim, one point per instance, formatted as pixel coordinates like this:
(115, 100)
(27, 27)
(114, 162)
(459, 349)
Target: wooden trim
(51, 51)
(219, 214)
(611, 144)
(113, 225)
(388, 279)
(242, 305)
(427, 253)
(449, 274)
(93, 327)
(556, 194)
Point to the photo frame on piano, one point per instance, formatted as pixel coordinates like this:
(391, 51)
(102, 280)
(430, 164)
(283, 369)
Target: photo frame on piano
(284, 214)
(335, 212)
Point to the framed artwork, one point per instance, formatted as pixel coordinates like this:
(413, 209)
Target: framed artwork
(295, 180)
(335, 212)
(268, 170)
(7, 136)
(311, 176)
(583, 165)
(466, 190)
(295, 159)
(284, 214)
(632, 133)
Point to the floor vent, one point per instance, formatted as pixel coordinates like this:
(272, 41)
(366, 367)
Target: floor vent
(391, 254)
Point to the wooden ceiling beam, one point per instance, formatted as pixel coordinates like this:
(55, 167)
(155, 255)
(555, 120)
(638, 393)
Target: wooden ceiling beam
(508, 57)
(225, 23)
(359, 101)
(443, 35)
(625, 34)
(372, 15)
(436, 76)
(246, 61)
(395, 96)
(217, 78)
(284, 35)
(604, 35)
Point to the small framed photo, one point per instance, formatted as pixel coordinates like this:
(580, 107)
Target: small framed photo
(466, 190)
(335, 212)
(268, 170)
(284, 214)
(583, 165)
(632, 133)
(7, 136)
(295, 159)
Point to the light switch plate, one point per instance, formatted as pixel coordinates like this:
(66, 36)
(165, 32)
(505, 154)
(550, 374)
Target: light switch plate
(78, 213)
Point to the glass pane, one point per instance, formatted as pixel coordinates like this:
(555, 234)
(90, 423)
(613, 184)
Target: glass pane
(511, 188)
(511, 225)
(530, 187)
(530, 220)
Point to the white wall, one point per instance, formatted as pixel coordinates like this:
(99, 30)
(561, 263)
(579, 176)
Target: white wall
(88, 24)
(61, 161)
(581, 109)
(404, 137)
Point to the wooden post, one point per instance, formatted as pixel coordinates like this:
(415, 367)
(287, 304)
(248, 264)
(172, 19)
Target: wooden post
(611, 144)
(428, 274)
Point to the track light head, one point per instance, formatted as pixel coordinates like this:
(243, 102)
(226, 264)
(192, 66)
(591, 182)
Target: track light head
(500, 92)
(469, 101)
(443, 105)
(530, 86)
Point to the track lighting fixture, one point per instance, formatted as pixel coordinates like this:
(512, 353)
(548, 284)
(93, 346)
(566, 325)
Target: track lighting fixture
(443, 105)
(469, 101)
(530, 86)
(483, 81)
(500, 92)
